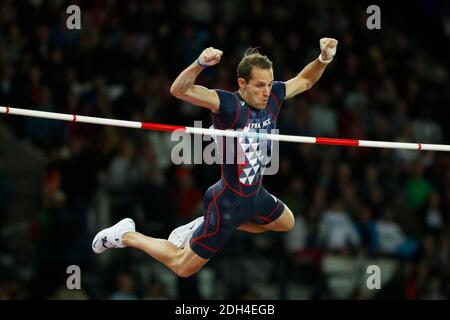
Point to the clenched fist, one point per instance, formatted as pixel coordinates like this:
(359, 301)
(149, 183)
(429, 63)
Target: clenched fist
(328, 49)
(209, 57)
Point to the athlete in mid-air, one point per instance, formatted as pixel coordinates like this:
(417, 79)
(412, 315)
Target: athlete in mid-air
(238, 201)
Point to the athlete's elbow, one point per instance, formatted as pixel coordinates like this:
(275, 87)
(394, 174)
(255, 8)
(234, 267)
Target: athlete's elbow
(180, 88)
(175, 91)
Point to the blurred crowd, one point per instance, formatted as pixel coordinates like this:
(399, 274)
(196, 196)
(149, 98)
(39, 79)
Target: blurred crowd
(390, 85)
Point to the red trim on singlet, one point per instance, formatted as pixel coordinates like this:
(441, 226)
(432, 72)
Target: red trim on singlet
(271, 213)
(264, 218)
(218, 120)
(238, 106)
(240, 193)
(214, 200)
(271, 111)
(204, 245)
(248, 117)
(222, 175)
(208, 213)
(218, 210)
(240, 167)
(276, 101)
(240, 186)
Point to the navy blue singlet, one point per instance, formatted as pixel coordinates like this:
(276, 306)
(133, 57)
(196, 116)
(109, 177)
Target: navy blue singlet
(239, 195)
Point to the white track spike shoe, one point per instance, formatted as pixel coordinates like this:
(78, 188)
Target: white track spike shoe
(112, 237)
(181, 235)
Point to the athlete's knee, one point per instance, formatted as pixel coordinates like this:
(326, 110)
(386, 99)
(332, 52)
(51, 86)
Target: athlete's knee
(284, 223)
(186, 271)
(289, 220)
(290, 224)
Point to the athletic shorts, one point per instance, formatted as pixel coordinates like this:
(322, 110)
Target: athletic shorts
(224, 211)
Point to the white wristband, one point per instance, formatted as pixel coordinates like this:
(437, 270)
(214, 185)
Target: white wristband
(325, 61)
(201, 64)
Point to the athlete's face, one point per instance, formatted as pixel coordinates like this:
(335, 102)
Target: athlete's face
(256, 91)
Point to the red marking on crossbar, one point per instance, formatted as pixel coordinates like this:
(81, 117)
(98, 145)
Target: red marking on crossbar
(74, 117)
(337, 142)
(420, 146)
(161, 127)
(7, 109)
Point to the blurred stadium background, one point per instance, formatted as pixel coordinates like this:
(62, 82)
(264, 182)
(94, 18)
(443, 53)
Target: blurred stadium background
(60, 182)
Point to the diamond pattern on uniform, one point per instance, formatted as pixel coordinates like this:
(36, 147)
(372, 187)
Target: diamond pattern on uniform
(245, 146)
(254, 160)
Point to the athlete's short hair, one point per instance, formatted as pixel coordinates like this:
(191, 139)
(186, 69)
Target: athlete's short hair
(252, 58)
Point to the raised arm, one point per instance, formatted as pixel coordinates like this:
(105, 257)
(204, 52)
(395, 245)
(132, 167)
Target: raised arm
(313, 71)
(184, 87)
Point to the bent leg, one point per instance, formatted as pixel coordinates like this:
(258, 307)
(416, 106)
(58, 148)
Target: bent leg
(252, 227)
(285, 222)
(183, 262)
(270, 213)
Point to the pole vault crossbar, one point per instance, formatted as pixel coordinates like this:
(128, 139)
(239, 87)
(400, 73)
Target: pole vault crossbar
(226, 133)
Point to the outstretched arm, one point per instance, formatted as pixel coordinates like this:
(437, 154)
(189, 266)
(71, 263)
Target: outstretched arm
(313, 71)
(184, 87)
